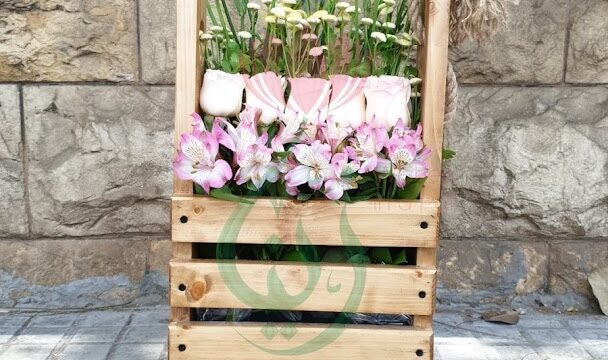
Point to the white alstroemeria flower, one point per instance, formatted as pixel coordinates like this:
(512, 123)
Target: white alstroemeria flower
(279, 12)
(380, 37)
(222, 93)
(367, 21)
(244, 35)
(253, 6)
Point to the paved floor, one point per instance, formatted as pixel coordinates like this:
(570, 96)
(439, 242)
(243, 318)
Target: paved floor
(140, 334)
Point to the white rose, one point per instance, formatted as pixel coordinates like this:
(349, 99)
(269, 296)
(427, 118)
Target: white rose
(387, 98)
(222, 93)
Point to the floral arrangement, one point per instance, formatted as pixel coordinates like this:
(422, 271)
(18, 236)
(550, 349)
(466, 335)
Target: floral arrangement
(344, 139)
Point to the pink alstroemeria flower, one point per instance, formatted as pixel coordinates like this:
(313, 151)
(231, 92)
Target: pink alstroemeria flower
(333, 132)
(308, 99)
(265, 92)
(285, 166)
(256, 164)
(337, 184)
(366, 147)
(314, 165)
(196, 161)
(408, 163)
(403, 134)
(347, 103)
(245, 133)
(289, 129)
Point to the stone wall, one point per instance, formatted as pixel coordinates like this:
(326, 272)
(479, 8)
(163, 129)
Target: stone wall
(86, 102)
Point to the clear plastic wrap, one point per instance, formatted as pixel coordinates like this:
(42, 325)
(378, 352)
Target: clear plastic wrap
(379, 319)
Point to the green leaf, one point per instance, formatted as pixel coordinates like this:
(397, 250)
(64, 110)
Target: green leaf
(411, 191)
(294, 254)
(358, 259)
(224, 193)
(303, 196)
(448, 154)
(251, 186)
(335, 255)
(400, 257)
(381, 255)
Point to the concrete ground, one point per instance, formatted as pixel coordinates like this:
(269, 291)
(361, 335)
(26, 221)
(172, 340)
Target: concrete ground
(140, 334)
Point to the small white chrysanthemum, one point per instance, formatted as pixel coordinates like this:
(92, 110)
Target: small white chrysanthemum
(294, 17)
(270, 19)
(304, 23)
(266, 2)
(330, 19)
(389, 26)
(281, 22)
(319, 13)
(342, 5)
(290, 2)
(205, 36)
(415, 94)
(313, 20)
(244, 35)
(390, 2)
(386, 11)
(253, 6)
(279, 12)
(380, 37)
(367, 21)
(351, 9)
(391, 37)
(403, 42)
(405, 36)
(415, 81)
(344, 18)
(216, 28)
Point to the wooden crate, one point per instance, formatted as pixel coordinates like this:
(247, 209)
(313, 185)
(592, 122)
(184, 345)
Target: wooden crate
(198, 283)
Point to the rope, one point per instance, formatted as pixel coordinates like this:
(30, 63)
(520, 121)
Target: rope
(451, 89)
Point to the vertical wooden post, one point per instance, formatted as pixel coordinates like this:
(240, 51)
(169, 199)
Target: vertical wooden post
(188, 78)
(435, 57)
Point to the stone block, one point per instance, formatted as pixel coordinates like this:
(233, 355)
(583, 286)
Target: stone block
(100, 158)
(29, 352)
(588, 47)
(474, 271)
(13, 218)
(529, 162)
(145, 334)
(530, 49)
(157, 41)
(102, 334)
(47, 40)
(86, 351)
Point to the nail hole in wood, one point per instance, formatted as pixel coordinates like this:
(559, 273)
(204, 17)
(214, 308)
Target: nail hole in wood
(422, 294)
(183, 219)
(182, 287)
(424, 225)
(181, 347)
(419, 352)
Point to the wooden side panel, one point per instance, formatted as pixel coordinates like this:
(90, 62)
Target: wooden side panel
(374, 223)
(310, 287)
(237, 341)
(435, 55)
(188, 77)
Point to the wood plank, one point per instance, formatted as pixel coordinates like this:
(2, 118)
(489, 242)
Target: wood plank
(374, 223)
(188, 79)
(306, 286)
(236, 341)
(437, 21)
(188, 73)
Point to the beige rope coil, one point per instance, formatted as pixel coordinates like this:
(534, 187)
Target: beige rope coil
(469, 19)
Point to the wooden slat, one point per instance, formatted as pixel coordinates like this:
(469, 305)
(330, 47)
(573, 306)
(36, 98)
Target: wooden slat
(435, 55)
(374, 223)
(237, 341)
(188, 79)
(319, 286)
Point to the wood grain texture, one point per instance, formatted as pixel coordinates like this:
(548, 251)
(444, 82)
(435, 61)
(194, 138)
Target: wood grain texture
(374, 223)
(435, 57)
(233, 341)
(323, 287)
(188, 77)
